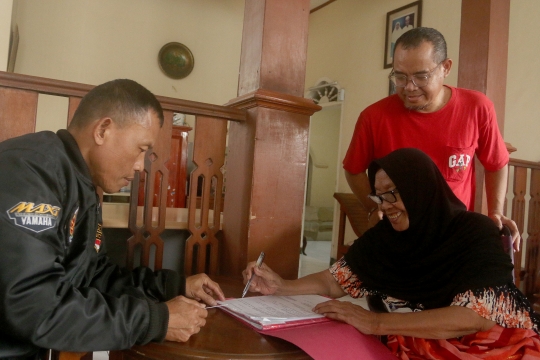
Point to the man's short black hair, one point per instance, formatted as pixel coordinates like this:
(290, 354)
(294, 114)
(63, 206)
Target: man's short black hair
(415, 37)
(123, 100)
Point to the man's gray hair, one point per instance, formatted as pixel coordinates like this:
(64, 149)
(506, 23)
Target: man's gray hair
(415, 37)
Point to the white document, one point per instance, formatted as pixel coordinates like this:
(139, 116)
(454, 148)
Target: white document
(270, 309)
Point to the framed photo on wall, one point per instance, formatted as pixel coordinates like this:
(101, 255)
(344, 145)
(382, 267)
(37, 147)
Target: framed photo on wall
(397, 22)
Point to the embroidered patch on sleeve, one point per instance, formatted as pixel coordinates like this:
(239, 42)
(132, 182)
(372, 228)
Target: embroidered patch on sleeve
(99, 235)
(72, 226)
(36, 218)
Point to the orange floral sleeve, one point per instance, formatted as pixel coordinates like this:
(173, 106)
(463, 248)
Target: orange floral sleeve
(503, 304)
(347, 279)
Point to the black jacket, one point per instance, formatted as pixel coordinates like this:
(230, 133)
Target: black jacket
(58, 288)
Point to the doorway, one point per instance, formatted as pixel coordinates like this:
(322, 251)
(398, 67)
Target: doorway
(321, 181)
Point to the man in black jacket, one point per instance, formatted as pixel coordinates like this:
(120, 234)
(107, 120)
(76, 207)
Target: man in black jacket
(57, 286)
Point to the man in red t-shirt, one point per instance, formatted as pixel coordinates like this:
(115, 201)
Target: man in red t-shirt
(450, 124)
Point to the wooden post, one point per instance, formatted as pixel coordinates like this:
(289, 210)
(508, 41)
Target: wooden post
(483, 58)
(268, 154)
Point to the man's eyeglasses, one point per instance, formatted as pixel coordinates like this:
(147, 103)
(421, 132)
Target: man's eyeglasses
(389, 196)
(418, 80)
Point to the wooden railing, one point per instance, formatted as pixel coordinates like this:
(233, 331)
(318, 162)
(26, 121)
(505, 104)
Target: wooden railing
(202, 247)
(524, 197)
(18, 110)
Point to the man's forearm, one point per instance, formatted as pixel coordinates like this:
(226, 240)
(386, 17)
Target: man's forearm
(496, 185)
(359, 185)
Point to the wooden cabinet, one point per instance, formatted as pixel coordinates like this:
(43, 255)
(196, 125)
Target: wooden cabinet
(177, 166)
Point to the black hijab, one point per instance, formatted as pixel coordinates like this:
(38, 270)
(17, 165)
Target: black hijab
(445, 251)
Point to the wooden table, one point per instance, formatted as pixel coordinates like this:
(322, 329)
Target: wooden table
(223, 337)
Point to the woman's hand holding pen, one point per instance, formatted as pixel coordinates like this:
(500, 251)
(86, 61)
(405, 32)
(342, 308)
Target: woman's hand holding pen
(265, 281)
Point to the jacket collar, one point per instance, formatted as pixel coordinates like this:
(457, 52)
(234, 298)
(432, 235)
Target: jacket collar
(74, 153)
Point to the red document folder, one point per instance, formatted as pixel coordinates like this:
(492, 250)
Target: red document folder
(326, 339)
(320, 337)
(333, 340)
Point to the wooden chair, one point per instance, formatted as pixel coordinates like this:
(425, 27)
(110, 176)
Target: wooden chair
(350, 208)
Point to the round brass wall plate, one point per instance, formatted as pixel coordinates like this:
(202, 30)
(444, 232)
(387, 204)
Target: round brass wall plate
(176, 60)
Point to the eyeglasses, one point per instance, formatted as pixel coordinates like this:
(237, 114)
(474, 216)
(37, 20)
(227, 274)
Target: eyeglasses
(418, 80)
(389, 196)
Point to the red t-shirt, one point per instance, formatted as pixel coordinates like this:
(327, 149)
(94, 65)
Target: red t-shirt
(451, 136)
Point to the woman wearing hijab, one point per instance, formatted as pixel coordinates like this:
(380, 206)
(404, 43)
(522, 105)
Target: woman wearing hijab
(428, 255)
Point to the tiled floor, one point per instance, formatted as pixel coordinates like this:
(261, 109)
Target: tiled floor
(317, 258)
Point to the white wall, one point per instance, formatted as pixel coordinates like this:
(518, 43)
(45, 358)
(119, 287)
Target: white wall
(5, 31)
(323, 147)
(522, 118)
(96, 41)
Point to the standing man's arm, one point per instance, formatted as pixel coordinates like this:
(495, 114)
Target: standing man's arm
(496, 184)
(359, 185)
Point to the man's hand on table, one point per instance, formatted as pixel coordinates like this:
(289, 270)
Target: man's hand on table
(200, 287)
(186, 317)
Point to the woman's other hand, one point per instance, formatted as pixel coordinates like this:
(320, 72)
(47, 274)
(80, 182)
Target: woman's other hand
(442, 323)
(363, 320)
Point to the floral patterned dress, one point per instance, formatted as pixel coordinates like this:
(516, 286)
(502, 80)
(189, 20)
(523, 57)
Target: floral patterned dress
(515, 335)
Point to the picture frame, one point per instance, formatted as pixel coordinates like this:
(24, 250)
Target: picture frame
(399, 21)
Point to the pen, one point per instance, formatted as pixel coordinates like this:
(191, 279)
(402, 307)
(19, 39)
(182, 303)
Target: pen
(259, 262)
